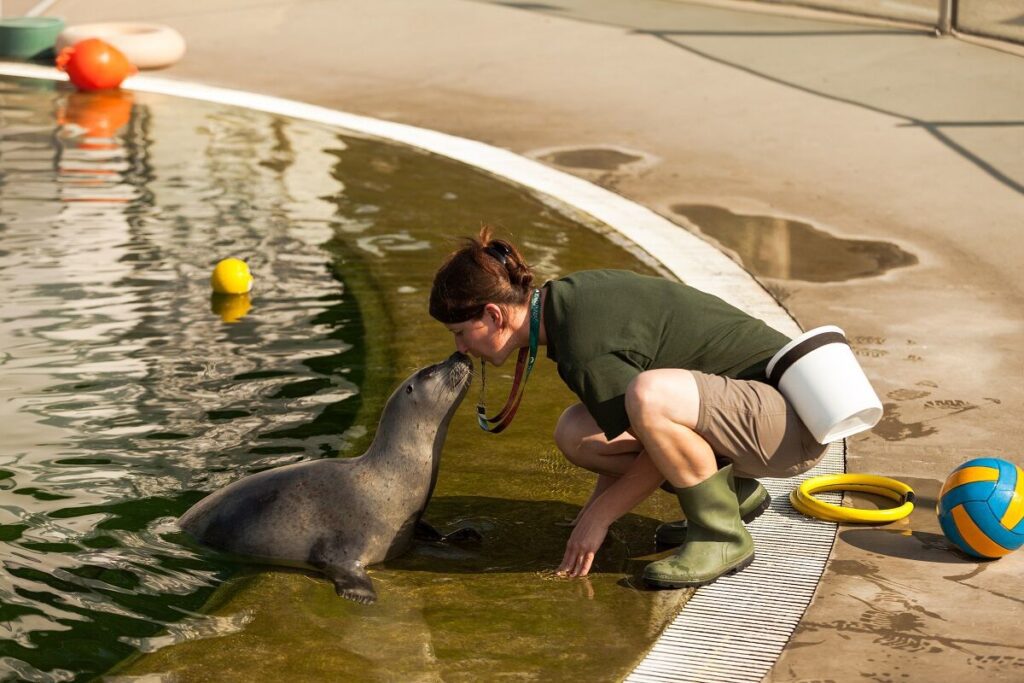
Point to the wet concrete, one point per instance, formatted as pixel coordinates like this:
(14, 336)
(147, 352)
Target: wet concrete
(884, 604)
(858, 128)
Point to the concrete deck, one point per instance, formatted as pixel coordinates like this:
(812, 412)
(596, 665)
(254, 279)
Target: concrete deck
(862, 129)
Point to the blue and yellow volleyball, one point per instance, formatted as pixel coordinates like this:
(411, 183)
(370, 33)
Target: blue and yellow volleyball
(981, 507)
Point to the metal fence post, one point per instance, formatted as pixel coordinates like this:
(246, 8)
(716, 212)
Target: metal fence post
(947, 16)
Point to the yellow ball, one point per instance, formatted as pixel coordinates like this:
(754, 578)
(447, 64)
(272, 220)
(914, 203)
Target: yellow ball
(231, 276)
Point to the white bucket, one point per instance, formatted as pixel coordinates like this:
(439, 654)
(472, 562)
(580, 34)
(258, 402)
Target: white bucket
(818, 373)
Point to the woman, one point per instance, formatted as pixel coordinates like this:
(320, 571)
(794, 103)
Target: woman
(671, 383)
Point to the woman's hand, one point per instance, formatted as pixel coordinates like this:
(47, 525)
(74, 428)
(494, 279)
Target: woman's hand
(611, 500)
(583, 544)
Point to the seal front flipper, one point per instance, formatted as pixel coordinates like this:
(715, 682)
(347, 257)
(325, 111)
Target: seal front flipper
(352, 582)
(461, 536)
(425, 532)
(466, 535)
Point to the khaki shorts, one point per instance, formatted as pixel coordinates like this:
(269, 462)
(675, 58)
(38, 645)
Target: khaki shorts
(753, 426)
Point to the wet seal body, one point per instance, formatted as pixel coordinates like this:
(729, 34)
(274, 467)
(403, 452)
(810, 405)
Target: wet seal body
(339, 515)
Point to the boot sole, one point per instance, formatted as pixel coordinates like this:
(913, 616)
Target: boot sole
(759, 510)
(664, 583)
(747, 518)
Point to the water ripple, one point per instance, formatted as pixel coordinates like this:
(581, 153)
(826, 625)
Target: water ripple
(124, 395)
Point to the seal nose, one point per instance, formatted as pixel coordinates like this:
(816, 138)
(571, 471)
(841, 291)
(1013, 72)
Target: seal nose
(459, 358)
(461, 366)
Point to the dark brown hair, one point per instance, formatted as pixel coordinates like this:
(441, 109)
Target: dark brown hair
(483, 271)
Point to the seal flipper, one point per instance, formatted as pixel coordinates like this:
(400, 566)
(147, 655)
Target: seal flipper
(425, 532)
(466, 535)
(352, 582)
(330, 556)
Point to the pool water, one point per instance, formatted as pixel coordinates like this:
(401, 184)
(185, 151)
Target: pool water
(127, 393)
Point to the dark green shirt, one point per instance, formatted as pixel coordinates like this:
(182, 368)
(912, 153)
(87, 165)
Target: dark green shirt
(604, 327)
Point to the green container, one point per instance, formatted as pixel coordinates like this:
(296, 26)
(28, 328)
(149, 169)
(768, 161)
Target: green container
(29, 37)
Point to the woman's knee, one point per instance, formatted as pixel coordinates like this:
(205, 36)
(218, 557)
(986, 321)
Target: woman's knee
(668, 394)
(573, 427)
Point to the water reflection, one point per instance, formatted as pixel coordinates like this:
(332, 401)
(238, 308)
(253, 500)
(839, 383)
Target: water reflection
(792, 250)
(125, 397)
(122, 395)
(449, 611)
(230, 307)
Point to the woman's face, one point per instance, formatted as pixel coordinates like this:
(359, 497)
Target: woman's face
(483, 337)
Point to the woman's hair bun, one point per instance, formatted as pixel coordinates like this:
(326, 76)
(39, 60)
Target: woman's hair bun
(483, 271)
(519, 274)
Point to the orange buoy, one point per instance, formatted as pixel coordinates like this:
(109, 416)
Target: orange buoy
(92, 64)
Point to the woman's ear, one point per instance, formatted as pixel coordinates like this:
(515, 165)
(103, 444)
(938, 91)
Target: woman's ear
(496, 314)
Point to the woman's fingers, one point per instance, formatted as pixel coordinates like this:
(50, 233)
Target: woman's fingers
(576, 562)
(581, 548)
(583, 563)
(568, 560)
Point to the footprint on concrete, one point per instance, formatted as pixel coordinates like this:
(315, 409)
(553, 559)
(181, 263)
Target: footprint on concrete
(950, 404)
(907, 394)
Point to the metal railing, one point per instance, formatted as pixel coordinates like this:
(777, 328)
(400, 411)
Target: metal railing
(999, 19)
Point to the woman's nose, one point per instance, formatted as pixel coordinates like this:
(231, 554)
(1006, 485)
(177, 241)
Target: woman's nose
(461, 347)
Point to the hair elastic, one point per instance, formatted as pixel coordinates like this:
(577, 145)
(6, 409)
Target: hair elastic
(499, 251)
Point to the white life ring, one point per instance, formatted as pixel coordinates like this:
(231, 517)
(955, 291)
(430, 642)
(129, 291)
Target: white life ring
(147, 46)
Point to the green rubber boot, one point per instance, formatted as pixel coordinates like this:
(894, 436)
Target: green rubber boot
(717, 543)
(753, 500)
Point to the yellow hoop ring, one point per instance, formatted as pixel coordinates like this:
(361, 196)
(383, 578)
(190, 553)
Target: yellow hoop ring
(802, 498)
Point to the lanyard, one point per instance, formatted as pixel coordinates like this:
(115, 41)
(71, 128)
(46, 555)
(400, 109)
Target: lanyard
(524, 364)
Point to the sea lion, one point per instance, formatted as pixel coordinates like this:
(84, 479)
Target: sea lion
(339, 515)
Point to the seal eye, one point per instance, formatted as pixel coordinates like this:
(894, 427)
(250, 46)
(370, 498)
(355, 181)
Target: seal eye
(408, 389)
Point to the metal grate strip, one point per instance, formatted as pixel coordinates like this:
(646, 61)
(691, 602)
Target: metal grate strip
(733, 630)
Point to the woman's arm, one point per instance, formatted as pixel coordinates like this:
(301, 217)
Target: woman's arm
(603, 482)
(636, 484)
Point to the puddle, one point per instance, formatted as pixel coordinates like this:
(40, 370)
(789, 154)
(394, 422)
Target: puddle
(793, 250)
(591, 158)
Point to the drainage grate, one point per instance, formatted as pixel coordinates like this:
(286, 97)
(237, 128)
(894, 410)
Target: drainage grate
(733, 630)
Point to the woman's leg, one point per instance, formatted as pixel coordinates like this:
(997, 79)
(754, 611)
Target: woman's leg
(664, 407)
(584, 444)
